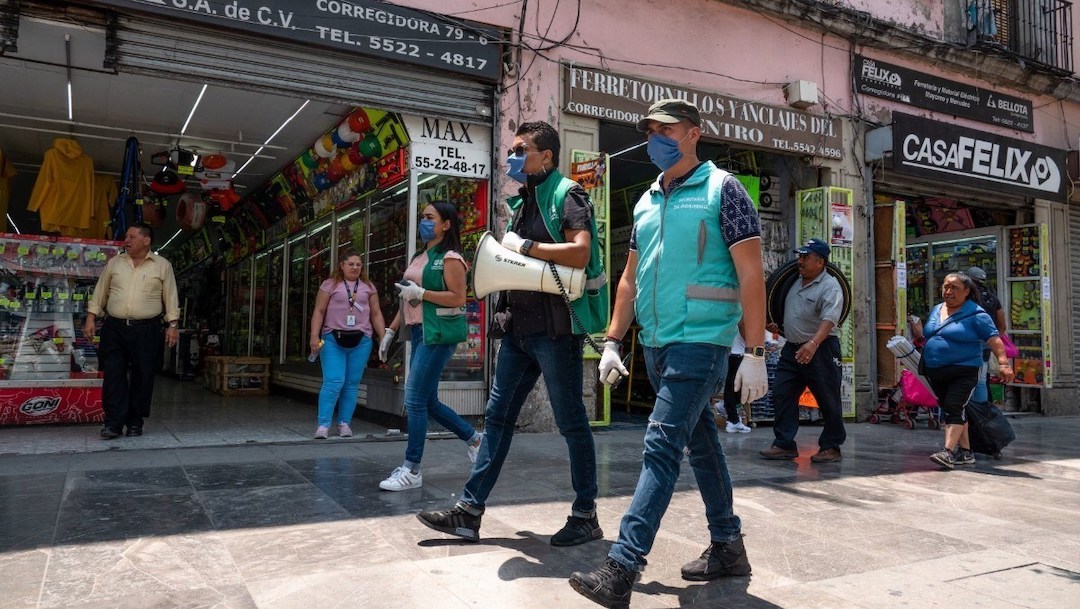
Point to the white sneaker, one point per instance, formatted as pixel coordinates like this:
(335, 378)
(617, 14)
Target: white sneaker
(732, 427)
(739, 427)
(473, 451)
(401, 479)
(344, 430)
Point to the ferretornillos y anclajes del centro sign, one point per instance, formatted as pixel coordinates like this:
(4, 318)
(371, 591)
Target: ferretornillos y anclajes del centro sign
(624, 99)
(949, 153)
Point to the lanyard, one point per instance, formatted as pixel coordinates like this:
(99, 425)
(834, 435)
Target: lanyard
(350, 293)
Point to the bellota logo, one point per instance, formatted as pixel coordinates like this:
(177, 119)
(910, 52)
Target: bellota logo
(40, 406)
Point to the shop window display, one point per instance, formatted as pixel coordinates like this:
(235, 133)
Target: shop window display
(48, 371)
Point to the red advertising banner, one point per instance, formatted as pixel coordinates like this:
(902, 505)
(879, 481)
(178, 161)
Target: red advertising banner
(38, 405)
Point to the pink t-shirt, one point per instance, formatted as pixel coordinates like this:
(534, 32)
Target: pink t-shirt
(338, 309)
(415, 315)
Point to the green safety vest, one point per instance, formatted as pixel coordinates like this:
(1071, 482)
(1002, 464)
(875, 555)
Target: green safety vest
(593, 308)
(442, 325)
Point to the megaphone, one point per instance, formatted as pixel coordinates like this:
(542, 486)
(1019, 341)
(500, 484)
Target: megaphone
(496, 268)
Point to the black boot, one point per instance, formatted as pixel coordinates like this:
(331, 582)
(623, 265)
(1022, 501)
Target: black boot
(718, 560)
(610, 585)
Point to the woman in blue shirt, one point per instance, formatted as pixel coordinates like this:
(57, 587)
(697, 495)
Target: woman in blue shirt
(956, 331)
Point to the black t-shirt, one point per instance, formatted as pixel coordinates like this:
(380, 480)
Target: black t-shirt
(989, 301)
(536, 312)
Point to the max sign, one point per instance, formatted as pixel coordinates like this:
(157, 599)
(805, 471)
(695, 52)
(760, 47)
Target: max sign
(945, 152)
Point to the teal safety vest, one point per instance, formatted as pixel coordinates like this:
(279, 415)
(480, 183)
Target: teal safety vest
(594, 306)
(687, 287)
(442, 325)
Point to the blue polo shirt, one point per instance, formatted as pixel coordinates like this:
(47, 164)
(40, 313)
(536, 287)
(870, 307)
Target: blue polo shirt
(959, 343)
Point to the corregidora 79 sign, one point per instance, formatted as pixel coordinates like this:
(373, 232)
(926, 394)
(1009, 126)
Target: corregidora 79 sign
(625, 99)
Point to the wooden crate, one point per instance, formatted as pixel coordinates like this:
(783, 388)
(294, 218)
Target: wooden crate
(232, 375)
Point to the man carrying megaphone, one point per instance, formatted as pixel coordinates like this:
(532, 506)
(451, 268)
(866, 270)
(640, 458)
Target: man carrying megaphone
(553, 221)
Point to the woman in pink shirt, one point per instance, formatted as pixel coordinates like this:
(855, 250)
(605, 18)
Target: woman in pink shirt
(346, 313)
(433, 308)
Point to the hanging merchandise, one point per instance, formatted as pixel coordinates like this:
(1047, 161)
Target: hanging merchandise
(153, 209)
(167, 182)
(130, 188)
(190, 211)
(324, 147)
(7, 171)
(63, 193)
(225, 198)
(105, 193)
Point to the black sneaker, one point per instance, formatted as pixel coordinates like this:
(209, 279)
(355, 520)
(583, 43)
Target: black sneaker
(610, 585)
(718, 560)
(944, 458)
(963, 457)
(134, 432)
(454, 521)
(577, 531)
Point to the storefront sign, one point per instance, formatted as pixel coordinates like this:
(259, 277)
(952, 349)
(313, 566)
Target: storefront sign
(449, 147)
(625, 99)
(941, 151)
(901, 85)
(367, 27)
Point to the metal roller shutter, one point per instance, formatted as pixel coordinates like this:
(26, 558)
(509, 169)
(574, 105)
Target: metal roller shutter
(148, 45)
(1074, 276)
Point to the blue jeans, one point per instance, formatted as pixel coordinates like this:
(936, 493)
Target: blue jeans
(342, 370)
(684, 376)
(422, 395)
(521, 361)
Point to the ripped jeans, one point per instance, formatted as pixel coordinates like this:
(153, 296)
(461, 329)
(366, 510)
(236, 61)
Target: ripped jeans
(684, 376)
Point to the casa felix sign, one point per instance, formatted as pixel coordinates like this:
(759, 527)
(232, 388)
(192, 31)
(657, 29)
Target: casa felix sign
(367, 27)
(941, 151)
(625, 99)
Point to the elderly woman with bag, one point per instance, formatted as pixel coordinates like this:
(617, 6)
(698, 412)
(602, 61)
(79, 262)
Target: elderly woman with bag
(345, 315)
(433, 310)
(955, 333)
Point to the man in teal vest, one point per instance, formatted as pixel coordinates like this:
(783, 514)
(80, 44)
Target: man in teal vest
(553, 221)
(692, 273)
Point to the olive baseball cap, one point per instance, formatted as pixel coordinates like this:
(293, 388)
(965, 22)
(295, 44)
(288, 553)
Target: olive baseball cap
(670, 111)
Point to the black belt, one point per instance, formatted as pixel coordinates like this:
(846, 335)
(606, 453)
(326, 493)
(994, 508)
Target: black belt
(135, 322)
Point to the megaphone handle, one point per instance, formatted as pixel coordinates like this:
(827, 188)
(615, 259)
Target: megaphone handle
(573, 315)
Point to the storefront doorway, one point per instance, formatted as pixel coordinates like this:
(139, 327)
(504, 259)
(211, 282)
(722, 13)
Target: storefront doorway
(284, 195)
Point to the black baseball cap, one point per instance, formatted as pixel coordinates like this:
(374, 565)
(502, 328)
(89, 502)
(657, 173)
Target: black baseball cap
(815, 246)
(670, 111)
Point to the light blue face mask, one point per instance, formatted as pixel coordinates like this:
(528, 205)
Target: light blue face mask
(516, 167)
(663, 151)
(427, 230)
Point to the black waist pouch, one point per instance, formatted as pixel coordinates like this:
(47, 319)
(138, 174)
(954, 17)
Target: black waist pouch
(347, 339)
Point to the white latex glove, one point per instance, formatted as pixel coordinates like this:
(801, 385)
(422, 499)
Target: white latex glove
(512, 241)
(384, 344)
(752, 379)
(611, 366)
(412, 293)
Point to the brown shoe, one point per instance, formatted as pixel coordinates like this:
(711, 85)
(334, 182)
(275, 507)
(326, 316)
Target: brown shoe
(827, 455)
(777, 453)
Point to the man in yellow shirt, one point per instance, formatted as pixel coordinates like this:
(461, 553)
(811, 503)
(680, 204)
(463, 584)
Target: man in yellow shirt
(135, 288)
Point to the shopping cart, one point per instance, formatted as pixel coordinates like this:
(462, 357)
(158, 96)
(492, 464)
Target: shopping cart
(893, 408)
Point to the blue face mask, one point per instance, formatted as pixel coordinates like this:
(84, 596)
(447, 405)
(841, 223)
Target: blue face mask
(427, 230)
(516, 167)
(663, 151)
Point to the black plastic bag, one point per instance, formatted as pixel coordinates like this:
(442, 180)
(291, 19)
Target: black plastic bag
(988, 428)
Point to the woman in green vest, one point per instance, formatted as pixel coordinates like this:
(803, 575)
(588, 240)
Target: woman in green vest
(433, 308)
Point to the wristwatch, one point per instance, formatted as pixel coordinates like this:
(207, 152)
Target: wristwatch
(526, 245)
(758, 351)
(174, 324)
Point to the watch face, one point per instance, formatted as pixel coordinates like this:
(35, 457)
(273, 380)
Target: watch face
(759, 351)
